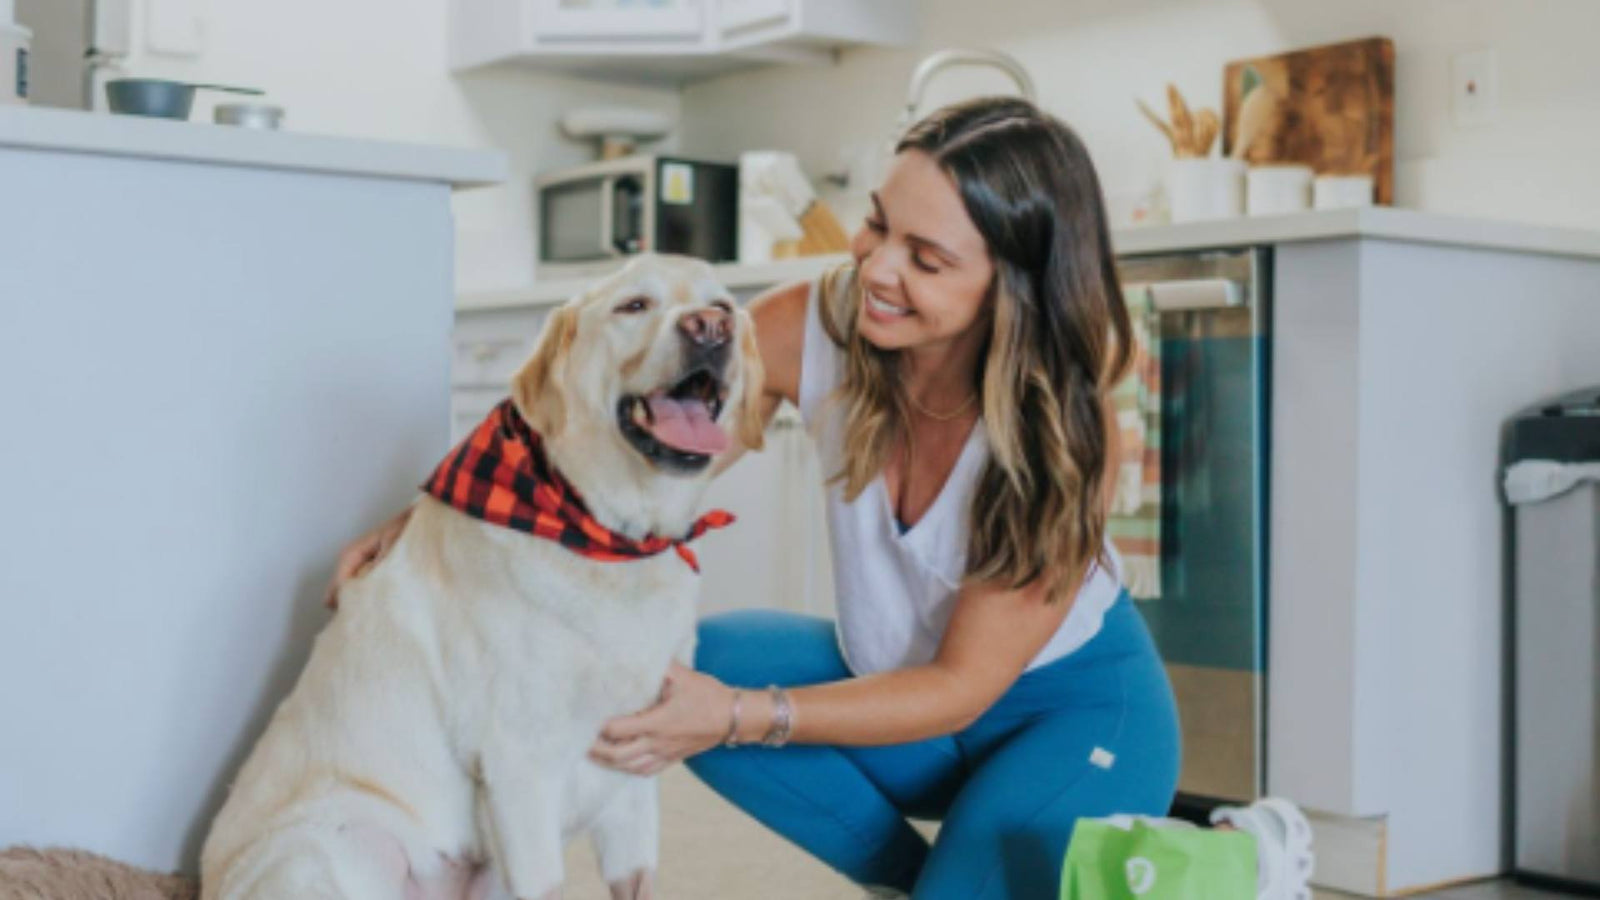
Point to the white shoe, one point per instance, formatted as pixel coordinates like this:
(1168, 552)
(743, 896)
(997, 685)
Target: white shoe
(1284, 861)
(884, 893)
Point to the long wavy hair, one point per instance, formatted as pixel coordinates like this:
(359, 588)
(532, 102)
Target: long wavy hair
(1059, 339)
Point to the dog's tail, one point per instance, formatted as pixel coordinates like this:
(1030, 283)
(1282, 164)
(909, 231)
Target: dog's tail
(57, 874)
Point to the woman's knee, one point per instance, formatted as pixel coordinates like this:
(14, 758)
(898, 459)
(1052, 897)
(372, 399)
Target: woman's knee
(757, 647)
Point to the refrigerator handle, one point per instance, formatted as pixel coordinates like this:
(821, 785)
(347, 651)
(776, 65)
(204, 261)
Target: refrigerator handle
(1192, 294)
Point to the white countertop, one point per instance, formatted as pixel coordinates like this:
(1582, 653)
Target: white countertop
(1377, 222)
(74, 131)
(732, 275)
(1381, 222)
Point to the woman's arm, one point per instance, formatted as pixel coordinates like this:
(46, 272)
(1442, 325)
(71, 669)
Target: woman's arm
(992, 636)
(363, 553)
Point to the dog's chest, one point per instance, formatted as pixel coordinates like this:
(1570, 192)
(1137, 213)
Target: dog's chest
(570, 637)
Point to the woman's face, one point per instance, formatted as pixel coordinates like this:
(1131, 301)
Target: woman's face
(924, 265)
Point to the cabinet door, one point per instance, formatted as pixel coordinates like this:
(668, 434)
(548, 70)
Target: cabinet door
(600, 20)
(743, 15)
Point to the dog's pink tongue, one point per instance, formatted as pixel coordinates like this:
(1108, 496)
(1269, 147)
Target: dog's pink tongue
(686, 425)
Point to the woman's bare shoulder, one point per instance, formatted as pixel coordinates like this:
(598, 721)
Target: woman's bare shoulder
(780, 319)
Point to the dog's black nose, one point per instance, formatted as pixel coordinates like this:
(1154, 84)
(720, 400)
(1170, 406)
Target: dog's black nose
(707, 328)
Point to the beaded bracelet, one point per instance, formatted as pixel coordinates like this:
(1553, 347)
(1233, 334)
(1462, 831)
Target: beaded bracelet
(782, 718)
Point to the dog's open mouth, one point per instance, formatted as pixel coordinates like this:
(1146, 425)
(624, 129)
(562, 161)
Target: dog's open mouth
(677, 426)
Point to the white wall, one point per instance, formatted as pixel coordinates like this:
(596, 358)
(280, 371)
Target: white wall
(1091, 58)
(378, 69)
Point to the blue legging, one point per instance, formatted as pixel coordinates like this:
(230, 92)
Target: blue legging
(1092, 734)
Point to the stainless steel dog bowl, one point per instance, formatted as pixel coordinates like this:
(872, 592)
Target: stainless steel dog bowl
(160, 98)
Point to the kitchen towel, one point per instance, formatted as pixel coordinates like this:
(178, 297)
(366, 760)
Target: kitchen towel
(1135, 521)
(1533, 480)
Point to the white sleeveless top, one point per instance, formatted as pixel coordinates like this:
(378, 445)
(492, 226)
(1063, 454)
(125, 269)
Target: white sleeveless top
(895, 592)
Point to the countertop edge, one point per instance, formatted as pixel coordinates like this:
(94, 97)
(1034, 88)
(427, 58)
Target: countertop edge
(1382, 223)
(74, 131)
(1369, 222)
(733, 275)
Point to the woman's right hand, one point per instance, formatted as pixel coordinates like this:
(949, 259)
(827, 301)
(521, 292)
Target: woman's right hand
(363, 553)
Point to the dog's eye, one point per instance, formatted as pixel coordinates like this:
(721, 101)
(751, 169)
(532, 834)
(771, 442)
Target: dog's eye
(635, 305)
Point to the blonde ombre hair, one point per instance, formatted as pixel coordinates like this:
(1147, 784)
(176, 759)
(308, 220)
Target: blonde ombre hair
(1059, 339)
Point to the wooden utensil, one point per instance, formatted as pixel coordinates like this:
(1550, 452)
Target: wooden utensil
(1160, 124)
(1206, 126)
(1196, 133)
(1258, 114)
(1182, 123)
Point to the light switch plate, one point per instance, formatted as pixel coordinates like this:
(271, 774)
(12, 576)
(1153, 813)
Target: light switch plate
(175, 27)
(1474, 87)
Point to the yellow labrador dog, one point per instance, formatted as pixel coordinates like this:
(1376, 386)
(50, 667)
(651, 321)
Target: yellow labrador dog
(435, 745)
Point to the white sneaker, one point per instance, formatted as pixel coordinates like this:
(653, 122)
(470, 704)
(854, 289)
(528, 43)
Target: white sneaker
(1284, 861)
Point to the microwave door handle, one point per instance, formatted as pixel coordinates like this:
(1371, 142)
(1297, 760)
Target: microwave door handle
(608, 216)
(1192, 294)
(608, 224)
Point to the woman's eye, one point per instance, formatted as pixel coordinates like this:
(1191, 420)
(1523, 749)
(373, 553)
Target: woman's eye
(917, 260)
(636, 305)
(875, 225)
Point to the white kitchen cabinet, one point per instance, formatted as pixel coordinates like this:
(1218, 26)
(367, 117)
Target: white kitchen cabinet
(742, 16)
(668, 40)
(616, 20)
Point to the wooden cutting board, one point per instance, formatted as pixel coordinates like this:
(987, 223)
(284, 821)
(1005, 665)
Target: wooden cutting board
(1331, 108)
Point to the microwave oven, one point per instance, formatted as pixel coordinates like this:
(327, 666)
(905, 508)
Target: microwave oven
(592, 217)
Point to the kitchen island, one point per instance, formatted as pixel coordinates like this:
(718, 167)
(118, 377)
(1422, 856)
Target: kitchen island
(223, 354)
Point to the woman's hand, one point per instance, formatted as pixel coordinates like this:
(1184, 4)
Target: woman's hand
(364, 552)
(692, 715)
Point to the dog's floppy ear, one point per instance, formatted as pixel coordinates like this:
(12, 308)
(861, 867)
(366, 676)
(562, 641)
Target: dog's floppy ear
(537, 387)
(752, 424)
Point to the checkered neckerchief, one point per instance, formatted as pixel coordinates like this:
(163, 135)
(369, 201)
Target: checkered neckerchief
(501, 474)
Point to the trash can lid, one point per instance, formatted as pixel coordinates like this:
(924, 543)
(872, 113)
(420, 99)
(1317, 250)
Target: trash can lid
(1562, 429)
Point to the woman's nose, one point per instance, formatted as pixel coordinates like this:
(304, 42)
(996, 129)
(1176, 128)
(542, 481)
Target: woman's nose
(878, 270)
(707, 327)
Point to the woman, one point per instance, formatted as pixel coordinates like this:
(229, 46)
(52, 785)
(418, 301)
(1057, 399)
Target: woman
(987, 669)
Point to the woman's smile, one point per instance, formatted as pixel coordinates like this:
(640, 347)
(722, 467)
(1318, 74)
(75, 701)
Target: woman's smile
(883, 311)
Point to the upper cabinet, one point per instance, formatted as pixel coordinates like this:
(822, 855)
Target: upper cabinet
(672, 40)
(615, 20)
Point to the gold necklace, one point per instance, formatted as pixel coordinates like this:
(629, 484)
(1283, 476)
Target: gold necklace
(941, 417)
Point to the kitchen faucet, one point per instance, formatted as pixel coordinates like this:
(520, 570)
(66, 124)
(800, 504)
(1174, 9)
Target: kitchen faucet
(944, 59)
(931, 65)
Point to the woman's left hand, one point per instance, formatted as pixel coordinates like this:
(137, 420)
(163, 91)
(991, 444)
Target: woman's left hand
(692, 715)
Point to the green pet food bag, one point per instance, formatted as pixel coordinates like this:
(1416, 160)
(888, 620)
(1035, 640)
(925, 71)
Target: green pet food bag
(1106, 861)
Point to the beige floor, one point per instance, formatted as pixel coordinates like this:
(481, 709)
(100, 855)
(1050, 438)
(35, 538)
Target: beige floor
(711, 851)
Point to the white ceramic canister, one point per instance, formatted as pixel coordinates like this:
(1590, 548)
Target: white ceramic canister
(1341, 191)
(15, 44)
(1275, 190)
(1205, 188)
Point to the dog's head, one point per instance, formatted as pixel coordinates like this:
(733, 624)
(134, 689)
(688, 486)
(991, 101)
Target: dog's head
(638, 383)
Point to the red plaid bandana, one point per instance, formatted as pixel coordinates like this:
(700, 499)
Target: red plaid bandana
(500, 474)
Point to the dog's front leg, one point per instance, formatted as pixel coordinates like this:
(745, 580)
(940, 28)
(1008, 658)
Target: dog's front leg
(523, 800)
(627, 839)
